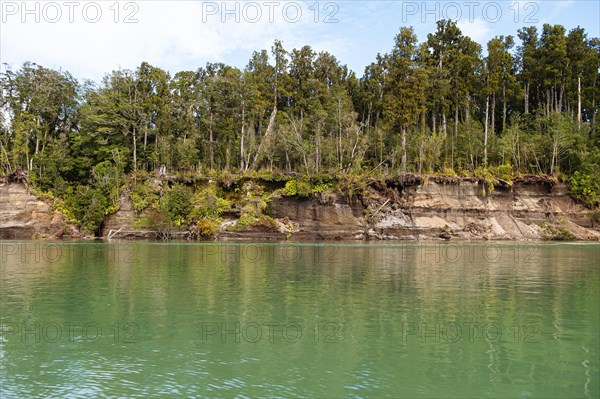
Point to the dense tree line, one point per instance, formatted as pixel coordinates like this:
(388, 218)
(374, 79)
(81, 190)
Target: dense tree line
(531, 104)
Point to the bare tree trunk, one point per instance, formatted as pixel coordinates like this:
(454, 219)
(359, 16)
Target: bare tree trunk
(527, 97)
(403, 149)
(242, 153)
(485, 131)
(579, 101)
(444, 124)
(561, 96)
(134, 151)
(493, 114)
(211, 151)
(339, 143)
(554, 155)
(317, 153)
(455, 138)
(266, 137)
(503, 107)
(145, 136)
(592, 130)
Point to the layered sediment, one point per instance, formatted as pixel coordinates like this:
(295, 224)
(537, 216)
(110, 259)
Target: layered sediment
(420, 209)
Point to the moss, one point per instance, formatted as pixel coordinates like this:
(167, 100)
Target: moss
(142, 223)
(557, 233)
(248, 221)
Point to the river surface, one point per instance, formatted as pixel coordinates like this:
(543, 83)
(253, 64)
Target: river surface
(145, 320)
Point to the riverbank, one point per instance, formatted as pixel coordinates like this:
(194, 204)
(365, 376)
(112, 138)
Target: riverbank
(402, 208)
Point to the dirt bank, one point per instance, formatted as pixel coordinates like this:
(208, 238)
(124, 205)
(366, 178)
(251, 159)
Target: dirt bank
(414, 209)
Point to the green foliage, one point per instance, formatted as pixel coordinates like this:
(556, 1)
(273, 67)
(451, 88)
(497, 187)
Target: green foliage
(248, 220)
(447, 172)
(437, 106)
(321, 188)
(208, 207)
(107, 178)
(505, 172)
(161, 223)
(208, 227)
(488, 179)
(557, 233)
(208, 204)
(177, 204)
(295, 187)
(142, 223)
(586, 188)
(254, 204)
(143, 196)
(59, 205)
(88, 205)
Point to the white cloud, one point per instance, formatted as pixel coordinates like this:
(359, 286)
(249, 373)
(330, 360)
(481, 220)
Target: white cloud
(172, 35)
(478, 30)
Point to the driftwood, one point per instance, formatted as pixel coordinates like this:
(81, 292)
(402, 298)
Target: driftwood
(380, 208)
(113, 233)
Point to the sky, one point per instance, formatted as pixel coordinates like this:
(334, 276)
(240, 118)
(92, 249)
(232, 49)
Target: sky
(92, 38)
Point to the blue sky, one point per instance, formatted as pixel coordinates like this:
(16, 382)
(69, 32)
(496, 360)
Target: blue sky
(91, 38)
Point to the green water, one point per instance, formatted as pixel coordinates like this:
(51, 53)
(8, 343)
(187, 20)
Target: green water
(82, 320)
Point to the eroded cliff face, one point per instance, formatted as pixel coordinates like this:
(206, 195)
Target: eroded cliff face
(121, 223)
(455, 210)
(24, 216)
(463, 210)
(467, 210)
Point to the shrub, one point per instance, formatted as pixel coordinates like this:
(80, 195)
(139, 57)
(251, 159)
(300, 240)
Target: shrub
(296, 187)
(177, 204)
(208, 204)
(557, 233)
(143, 196)
(208, 227)
(586, 188)
(88, 205)
(320, 188)
(505, 172)
(254, 204)
(488, 178)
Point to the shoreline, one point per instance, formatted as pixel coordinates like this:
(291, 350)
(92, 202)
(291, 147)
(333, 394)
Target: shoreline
(397, 209)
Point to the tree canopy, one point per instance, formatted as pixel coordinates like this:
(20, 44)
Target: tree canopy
(441, 105)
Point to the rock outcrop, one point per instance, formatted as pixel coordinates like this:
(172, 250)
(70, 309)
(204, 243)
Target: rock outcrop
(24, 216)
(421, 209)
(461, 210)
(468, 210)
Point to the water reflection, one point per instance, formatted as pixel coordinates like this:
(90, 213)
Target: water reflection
(494, 320)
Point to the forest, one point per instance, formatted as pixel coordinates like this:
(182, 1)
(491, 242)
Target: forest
(528, 104)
